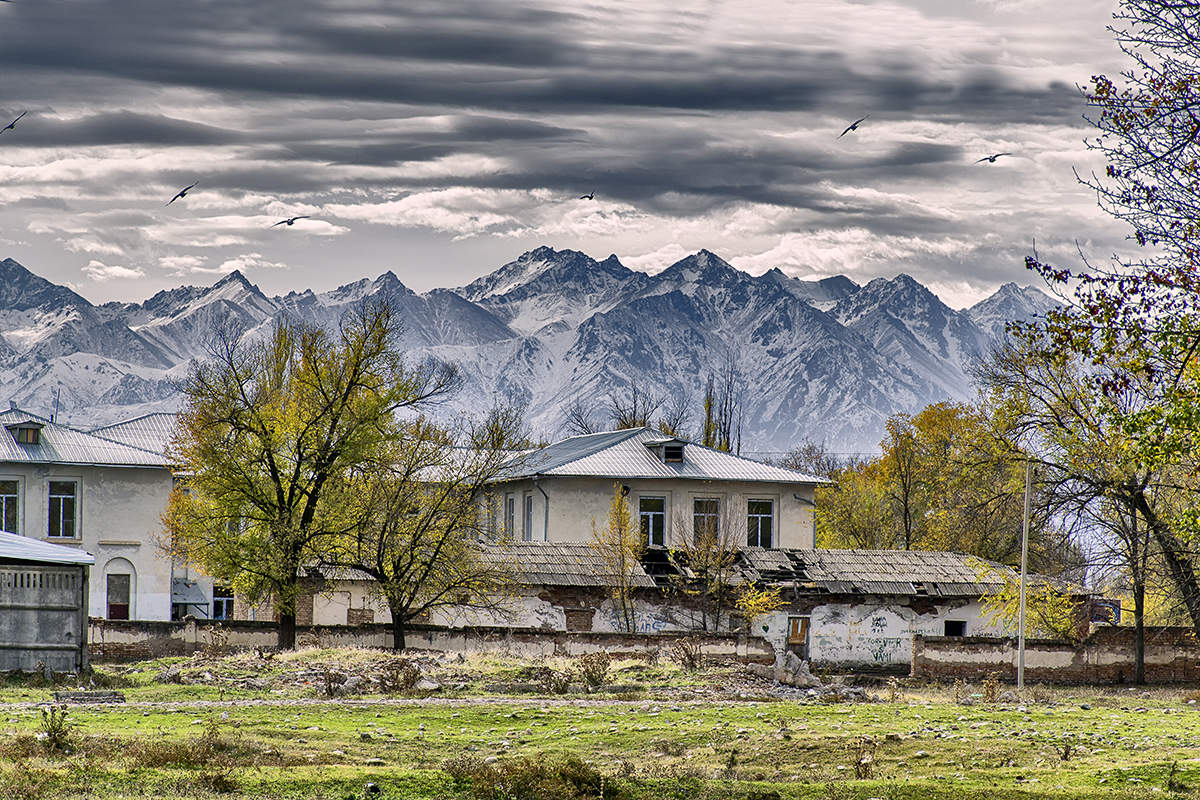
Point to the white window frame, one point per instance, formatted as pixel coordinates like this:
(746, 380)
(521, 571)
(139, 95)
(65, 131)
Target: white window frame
(77, 534)
(18, 501)
(757, 528)
(642, 514)
(527, 517)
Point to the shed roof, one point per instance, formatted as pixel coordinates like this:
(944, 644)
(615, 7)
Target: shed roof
(21, 548)
(59, 444)
(151, 432)
(624, 454)
(562, 564)
(897, 572)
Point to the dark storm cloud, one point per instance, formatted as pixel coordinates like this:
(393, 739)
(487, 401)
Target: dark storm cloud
(453, 61)
(121, 127)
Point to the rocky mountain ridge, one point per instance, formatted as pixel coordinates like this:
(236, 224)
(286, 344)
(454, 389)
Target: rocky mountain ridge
(826, 360)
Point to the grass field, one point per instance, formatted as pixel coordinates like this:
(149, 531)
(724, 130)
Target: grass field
(665, 734)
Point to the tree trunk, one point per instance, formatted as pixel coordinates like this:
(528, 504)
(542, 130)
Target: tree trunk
(1179, 566)
(287, 630)
(1139, 632)
(398, 626)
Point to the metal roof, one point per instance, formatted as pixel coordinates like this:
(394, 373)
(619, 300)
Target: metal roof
(897, 572)
(21, 548)
(561, 564)
(624, 454)
(151, 432)
(532, 564)
(59, 444)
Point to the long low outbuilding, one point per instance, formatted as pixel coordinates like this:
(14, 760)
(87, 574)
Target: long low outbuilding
(43, 605)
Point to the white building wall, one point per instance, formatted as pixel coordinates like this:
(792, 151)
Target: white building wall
(118, 520)
(576, 503)
(877, 632)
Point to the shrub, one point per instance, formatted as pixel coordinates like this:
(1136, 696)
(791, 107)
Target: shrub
(400, 675)
(592, 668)
(55, 731)
(688, 652)
(530, 778)
(863, 754)
(991, 688)
(553, 681)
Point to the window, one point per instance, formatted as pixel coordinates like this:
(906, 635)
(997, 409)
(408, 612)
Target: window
(9, 494)
(27, 435)
(798, 636)
(222, 603)
(118, 595)
(63, 509)
(704, 518)
(955, 627)
(652, 512)
(528, 530)
(760, 517)
(673, 454)
(510, 516)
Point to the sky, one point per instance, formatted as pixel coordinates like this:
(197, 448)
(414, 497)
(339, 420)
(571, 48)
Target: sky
(442, 139)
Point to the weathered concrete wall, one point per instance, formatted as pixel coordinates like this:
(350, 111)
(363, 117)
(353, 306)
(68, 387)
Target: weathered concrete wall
(576, 502)
(118, 521)
(41, 616)
(1172, 656)
(126, 641)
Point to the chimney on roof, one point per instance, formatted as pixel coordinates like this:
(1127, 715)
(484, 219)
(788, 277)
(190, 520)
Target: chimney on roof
(12, 405)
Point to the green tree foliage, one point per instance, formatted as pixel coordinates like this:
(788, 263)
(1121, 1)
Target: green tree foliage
(1129, 329)
(944, 481)
(270, 429)
(1050, 611)
(419, 520)
(619, 543)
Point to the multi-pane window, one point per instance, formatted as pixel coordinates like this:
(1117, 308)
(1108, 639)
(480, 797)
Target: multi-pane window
(705, 515)
(760, 518)
(222, 603)
(9, 495)
(528, 531)
(652, 512)
(27, 436)
(64, 510)
(510, 516)
(117, 591)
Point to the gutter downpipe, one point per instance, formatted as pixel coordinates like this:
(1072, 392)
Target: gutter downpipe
(546, 508)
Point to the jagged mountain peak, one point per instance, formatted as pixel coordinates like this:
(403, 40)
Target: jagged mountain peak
(703, 266)
(821, 292)
(22, 289)
(1010, 302)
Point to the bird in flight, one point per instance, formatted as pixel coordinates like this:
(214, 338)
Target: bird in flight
(589, 196)
(853, 126)
(181, 193)
(290, 220)
(992, 158)
(12, 125)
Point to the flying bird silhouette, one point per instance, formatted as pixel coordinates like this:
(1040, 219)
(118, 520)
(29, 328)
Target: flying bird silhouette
(992, 158)
(13, 125)
(290, 220)
(853, 126)
(589, 196)
(181, 193)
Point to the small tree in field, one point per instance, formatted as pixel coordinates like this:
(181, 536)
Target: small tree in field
(757, 601)
(420, 521)
(621, 547)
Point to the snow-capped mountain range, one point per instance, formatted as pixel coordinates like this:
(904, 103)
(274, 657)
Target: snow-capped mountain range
(824, 360)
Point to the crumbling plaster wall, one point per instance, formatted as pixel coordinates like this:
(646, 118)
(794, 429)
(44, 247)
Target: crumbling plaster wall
(873, 631)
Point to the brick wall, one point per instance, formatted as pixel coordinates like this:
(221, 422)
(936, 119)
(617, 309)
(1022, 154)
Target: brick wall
(112, 640)
(1172, 656)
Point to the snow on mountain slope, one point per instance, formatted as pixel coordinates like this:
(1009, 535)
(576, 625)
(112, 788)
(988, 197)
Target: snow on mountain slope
(824, 360)
(1010, 302)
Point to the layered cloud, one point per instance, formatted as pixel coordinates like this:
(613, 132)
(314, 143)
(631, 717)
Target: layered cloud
(475, 126)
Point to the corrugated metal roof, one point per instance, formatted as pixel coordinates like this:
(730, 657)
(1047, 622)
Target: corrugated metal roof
(561, 564)
(58, 444)
(21, 548)
(624, 454)
(151, 432)
(905, 572)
